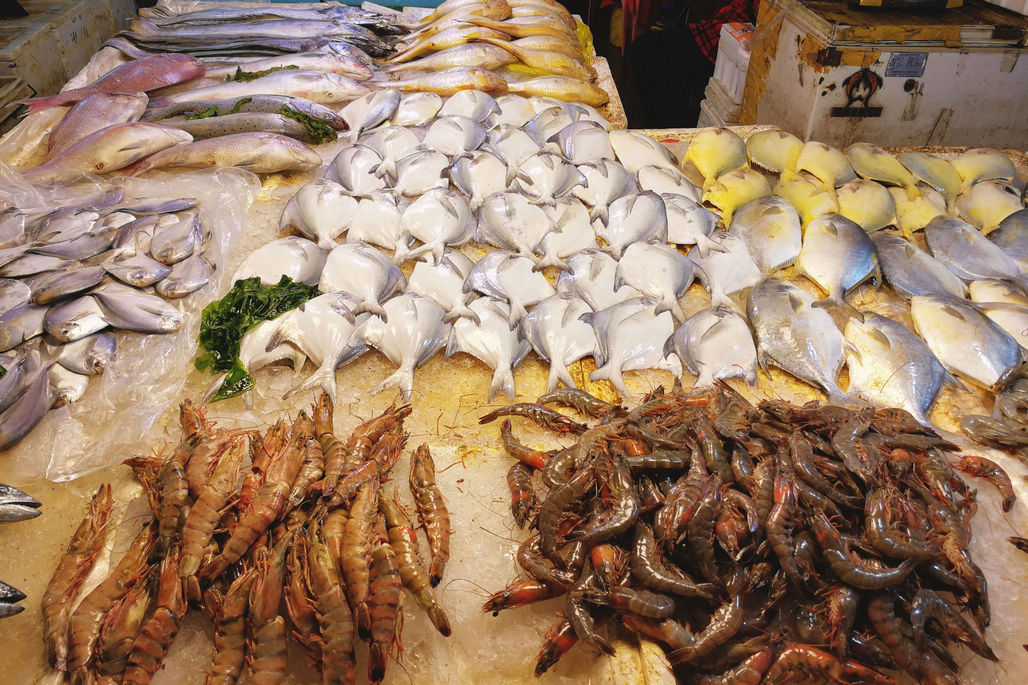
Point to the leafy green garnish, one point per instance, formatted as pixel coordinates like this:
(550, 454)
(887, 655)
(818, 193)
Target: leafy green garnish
(3, 371)
(224, 322)
(204, 114)
(319, 131)
(240, 103)
(243, 76)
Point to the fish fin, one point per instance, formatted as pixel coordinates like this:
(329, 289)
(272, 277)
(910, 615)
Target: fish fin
(462, 312)
(844, 309)
(610, 372)
(402, 378)
(704, 246)
(669, 347)
(287, 332)
(214, 388)
(837, 396)
(956, 382)
(677, 311)
(550, 260)
(321, 378)
(517, 313)
(503, 381)
(373, 308)
(853, 349)
(598, 212)
(705, 379)
(39, 104)
(519, 354)
(452, 344)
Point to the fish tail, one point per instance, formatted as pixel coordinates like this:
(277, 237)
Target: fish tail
(837, 396)
(321, 378)
(462, 312)
(39, 104)
(558, 374)
(503, 381)
(517, 313)
(214, 387)
(402, 378)
(610, 372)
(840, 305)
(598, 212)
(550, 260)
(134, 169)
(374, 308)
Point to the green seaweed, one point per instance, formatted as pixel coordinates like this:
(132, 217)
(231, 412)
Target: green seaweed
(204, 114)
(243, 76)
(3, 371)
(238, 107)
(225, 321)
(319, 131)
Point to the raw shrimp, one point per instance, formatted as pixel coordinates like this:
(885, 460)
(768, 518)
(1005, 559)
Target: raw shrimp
(534, 458)
(384, 602)
(205, 513)
(432, 513)
(579, 400)
(547, 418)
(354, 560)
(338, 663)
(990, 470)
(522, 493)
(230, 632)
(159, 630)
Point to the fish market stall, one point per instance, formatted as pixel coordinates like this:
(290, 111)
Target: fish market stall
(454, 251)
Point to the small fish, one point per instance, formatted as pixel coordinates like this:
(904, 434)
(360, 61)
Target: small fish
(995, 290)
(728, 267)
(93, 113)
(629, 337)
(89, 355)
(967, 252)
(715, 344)
(20, 418)
(983, 164)
(420, 172)
(31, 264)
(826, 163)
(985, 205)
(867, 204)
(20, 324)
(16, 505)
(511, 222)
(634, 151)
(13, 294)
(449, 81)
(914, 215)
(473, 104)
(966, 342)
(508, 277)
(574, 233)
(715, 151)
(454, 136)
(689, 223)
(261, 153)
(377, 222)
(605, 181)
(416, 109)
(186, 277)
(810, 199)
(66, 386)
(415, 331)
(641, 217)
(354, 169)
(584, 141)
(891, 367)
(176, 237)
(837, 255)
(480, 175)
(545, 177)
(796, 336)
(773, 149)
(364, 274)
(58, 285)
(370, 110)
(557, 334)
(1011, 236)
(912, 271)
(320, 211)
(439, 219)
(658, 272)
(874, 163)
(590, 277)
(663, 180)
(933, 171)
(1012, 318)
(734, 189)
(134, 310)
(492, 341)
(319, 87)
(443, 283)
(770, 227)
(298, 258)
(74, 319)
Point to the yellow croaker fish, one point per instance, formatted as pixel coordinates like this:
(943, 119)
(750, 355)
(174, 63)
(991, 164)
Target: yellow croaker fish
(450, 81)
(450, 38)
(773, 149)
(469, 55)
(986, 204)
(455, 5)
(825, 162)
(934, 171)
(716, 151)
(572, 48)
(866, 203)
(983, 164)
(554, 12)
(490, 9)
(872, 162)
(810, 198)
(735, 189)
(914, 214)
(563, 88)
(548, 61)
(521, 27)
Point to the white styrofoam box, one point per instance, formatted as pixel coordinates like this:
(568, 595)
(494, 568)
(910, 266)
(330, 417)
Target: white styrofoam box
(26, 51)
(707, 117)
(1019, 6)
(80, 30)
(715, 92)
(733, 58)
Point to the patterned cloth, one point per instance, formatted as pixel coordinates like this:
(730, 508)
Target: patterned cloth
(708, 31)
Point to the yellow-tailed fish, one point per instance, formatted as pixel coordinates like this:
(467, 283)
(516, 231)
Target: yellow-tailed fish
(715, 151)
(549, 11)
(468, 55)
(520, 27)
(450, 6)
(934, 171)
(735, 189)
(450, 38)
(450, 81)
(490, 9)
(548, 61)
(455, 19)
(866, 203)
(810, 198)
(874, 163)
(773, 149)
(824, 162)
(983, 164)
(564, 45)
(914, 214)
(984, 205)
(563, 88)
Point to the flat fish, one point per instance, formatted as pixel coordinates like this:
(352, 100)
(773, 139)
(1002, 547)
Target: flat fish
(606, 181)
(634, 151)
(416, 109)
(770, 228)
(837, 255)
(548, 122)
(544, 177)
(801, 339)
(511, 222)
(66, 386)
(132, 310)
(58, 285)
(370, 110)
(827, 163)
(912, 271)
(480, 175)
(492, 341)
(414, 332)
(13, 293)
(22, 366)
(364, 274)
(27, 411)
(473, 104)
(254, 353)
(20, 324)
(440, 218)
(874, 163)
(734, 189)
(774, 150)
(967, 342)
(689, 222)
(574, 233)
(508, 277)
(985, 205)
(1012, 318)
(454, 136)
(659, 272)
(443, 283)
(629, 337)
(728, 268)
(354, 169)
(967, 252)
(590, 277)
(891, 367)
(320, 211)
(74, 319)
(186, 277)
(809, 198)
(715, 151)
(324, 328)
(584, 141)
(515, 110)
(715, 344)
(420, 172)
(512, 145)
(662, 180)
(995, 290)
(176, 238)
(867, 204)
(641, 217)
(391, 143)
(1011, 236)
(933, 171)
(89, 355)
(983, 164)
(555, 330)
(31, 264)
(914, 215)
(377, 222)
(298, 258)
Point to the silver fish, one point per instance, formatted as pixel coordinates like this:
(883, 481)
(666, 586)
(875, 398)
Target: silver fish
(555, 330)
(63, 224)
(317, 86)
(582, 142)
(967, 252)
(247, 122)
(439, 219)
(1012, 318)
(661, 180)
(837, 255)
(253, 104)
(443, 283)
(548, 122)
(511, 222)
(658, 272)
(32, 264)
(370, 110)
(89, 244)
(689, 222)
(12, 226)
(575, 232)
(420, 172)
(66, 386)
(354, 169)
(967, 342)
(16, 505)
(512, 145)
(634, 218)
(770, 227)
(590, 277)
(313, 61)
(89, 355)
(324, 328)
(321, 211)
(74, 320)
(606, 181)
(28, 410)
(635, 151)
(544, 177)
(57, 285)
(1011, 236)
(298, 258)
(364, 274)
(480, 175)
(473, 104)
(891, 367)
(391, 143)
(416, 109)
(133, 310)
(796, 336)
(995, 290)
(139, 270)
(260, 153)
(414, 332)
(186, 277)
(454, 136)
(629, 337)
(20, 324)
(377, 222)
(13, 294)
(715, 344)
(254, 353)
(92, 114)
(492, 341)
(504, 276)
(726, 268)
(515, 110)
(912, 271)
(173, 242)
(22, 367)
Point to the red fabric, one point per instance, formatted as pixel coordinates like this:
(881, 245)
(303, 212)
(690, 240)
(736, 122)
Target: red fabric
(708, 32)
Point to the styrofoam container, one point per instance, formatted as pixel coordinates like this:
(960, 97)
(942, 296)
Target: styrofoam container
(1019, 6)
(733, 58)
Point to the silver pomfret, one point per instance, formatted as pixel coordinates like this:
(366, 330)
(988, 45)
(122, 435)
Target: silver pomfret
(362, 273)
(629, 337)
(557, 334)
(321, 211)
(838, 255)
(658, 272)
(492, 341)
(912, 271)
(641, 217)
(726, 268)
(715, 344)
(440, 218)
(966, 251)
(770, 227)
(1011, 236)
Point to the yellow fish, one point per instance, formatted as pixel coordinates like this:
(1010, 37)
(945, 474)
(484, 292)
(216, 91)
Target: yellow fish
(985, 204)
(735, 189)
(866, 203)
(469, 6)
(914, 214)
(825, 162)
(983, 164)
(450, 38)
(546, 61)
(810, 198)
(934, 171)
(563, 88)
(872, 162)
(773, 149)
(450, 81)
(715, 151)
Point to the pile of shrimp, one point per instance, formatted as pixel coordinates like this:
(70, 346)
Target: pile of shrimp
(1007, 428)
(756, 544)
(283, 533)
